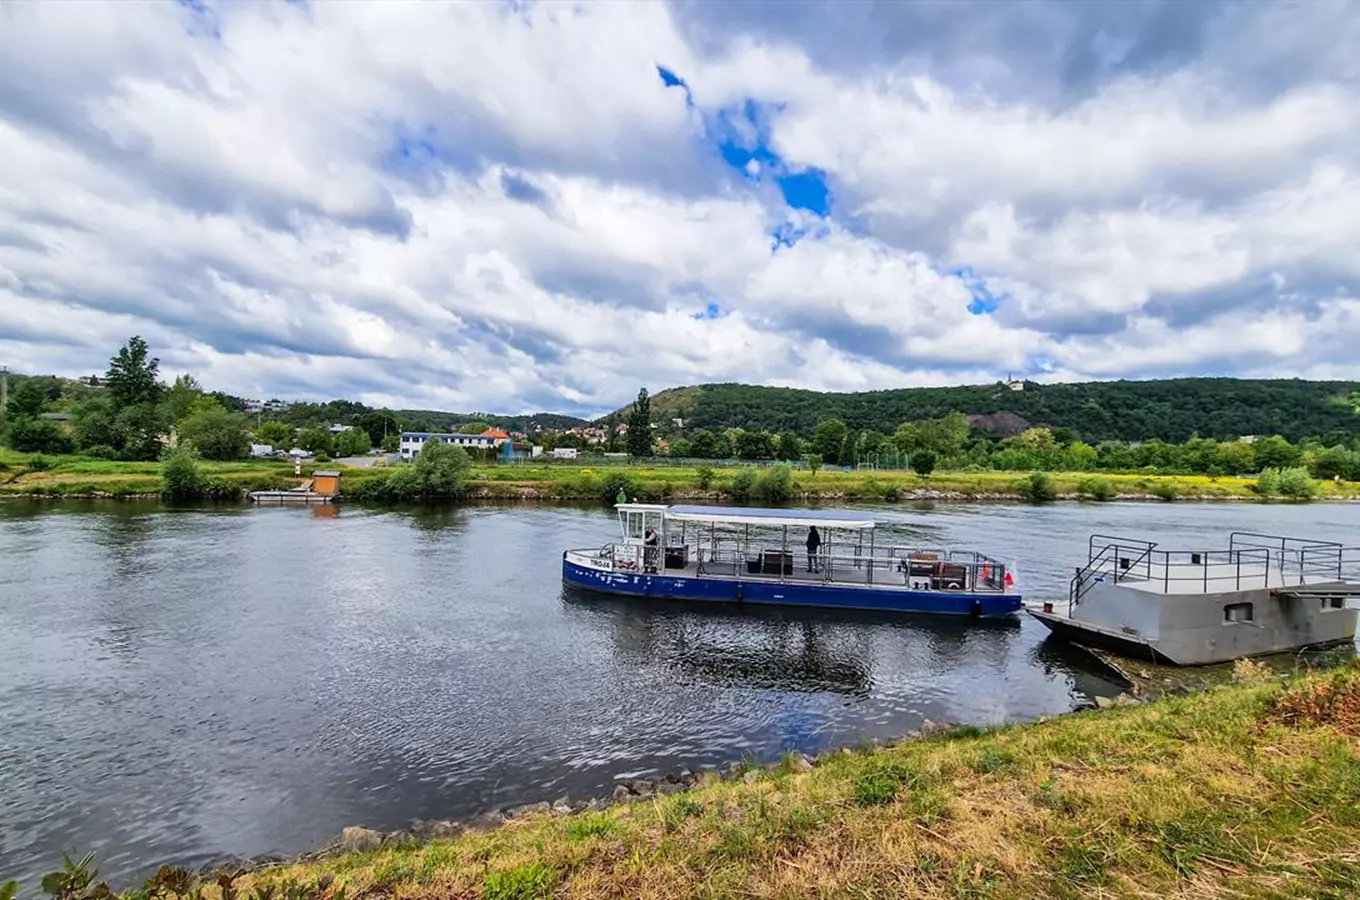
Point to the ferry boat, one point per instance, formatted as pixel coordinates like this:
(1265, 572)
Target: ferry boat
(763, 556)
(1264, 594)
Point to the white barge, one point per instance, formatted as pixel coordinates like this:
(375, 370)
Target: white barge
(1264, 594)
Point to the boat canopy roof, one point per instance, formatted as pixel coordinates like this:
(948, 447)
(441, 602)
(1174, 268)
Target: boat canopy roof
(797, 518)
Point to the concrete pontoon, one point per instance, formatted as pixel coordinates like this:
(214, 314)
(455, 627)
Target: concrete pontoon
(1264, 594)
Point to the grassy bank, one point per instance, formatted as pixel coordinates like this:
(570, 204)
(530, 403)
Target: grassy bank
(1247, 791)
(78, 476)
(586, 482)
(65, 476)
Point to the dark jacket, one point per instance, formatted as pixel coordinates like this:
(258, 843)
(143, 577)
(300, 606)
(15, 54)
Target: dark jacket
(814, 540)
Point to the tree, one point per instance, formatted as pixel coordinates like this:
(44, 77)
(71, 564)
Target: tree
(318, 440)
(703, 444)
(681, 449)
(828, 438)
(27, 401)
(131, 378)
(473, 427)
(640, 426)
(216, 434)
(96, 424)
(440, 472)
(30, 435)
(1275, 452)
(278, 435)
(391, 443)
(354, 442)
(755, 445)
(923, 461)
(379, 425)
(139, 429)
(180, 399)
(790, 447)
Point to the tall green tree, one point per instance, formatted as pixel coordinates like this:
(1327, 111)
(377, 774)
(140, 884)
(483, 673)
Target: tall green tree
(790, 447)
(139, 429)
(131, 377)
(828, 438)
(180, 399)
(640, 426)
(354, 442)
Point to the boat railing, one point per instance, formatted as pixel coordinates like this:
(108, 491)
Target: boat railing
(1251, 561)
(944, 570)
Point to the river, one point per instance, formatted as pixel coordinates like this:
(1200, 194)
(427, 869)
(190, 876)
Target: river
(179, 684)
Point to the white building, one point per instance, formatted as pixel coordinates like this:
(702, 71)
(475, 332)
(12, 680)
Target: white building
(412, 441)
(565, 453)
(261, 450)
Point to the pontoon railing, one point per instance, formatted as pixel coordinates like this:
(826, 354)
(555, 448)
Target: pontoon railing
(1251, 561)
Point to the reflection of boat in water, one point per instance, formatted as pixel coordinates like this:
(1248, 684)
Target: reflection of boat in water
(755, 556)
(1262, 595)
(809, 650)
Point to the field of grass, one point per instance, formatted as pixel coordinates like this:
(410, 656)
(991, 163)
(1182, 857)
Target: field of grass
(584, 480)
(1246, 791)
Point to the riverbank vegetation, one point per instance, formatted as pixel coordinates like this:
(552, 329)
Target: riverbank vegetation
(130, 419)
(38, 475)
(1245, 791)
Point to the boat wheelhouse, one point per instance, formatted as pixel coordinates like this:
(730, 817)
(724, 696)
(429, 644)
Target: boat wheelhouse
(1263, 594)
(763, 556)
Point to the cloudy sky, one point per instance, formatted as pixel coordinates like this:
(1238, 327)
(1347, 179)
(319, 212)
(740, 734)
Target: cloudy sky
(526, 206)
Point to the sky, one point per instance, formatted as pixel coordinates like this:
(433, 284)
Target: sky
(533, 206)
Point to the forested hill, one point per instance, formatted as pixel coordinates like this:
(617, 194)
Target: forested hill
(1171, 410)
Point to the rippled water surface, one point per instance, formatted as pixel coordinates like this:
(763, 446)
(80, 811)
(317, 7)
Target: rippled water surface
(181, 684)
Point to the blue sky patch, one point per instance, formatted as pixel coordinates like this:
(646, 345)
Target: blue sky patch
(807, 190)
(984, 302)
(711, 311)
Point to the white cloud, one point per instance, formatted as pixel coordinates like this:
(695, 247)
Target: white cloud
(477, 206)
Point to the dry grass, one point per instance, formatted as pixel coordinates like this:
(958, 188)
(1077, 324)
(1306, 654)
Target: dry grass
(1249, 791)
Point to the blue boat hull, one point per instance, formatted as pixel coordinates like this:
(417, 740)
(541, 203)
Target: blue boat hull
(773, 593)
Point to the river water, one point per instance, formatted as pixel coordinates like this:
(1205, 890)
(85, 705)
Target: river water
(179, 684)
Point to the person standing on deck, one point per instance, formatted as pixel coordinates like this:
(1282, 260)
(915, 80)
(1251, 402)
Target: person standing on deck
(650, 544)
(814, 543)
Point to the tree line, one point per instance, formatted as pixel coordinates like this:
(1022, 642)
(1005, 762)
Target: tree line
(133, 414)
(1170, 410)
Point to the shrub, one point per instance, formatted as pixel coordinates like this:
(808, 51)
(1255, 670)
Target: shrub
(38, 463)
(1096, 488)
(742, 485)
(891, 494)
(1166, 491)
(101, 451)
(615, 483)
(323, 457)
(923, 462)
(814, 462)
(1267, 483)
(704, 477)
(1037, 488)
(1297, 484)
(775, 485)
(38, 436)
(182, 475)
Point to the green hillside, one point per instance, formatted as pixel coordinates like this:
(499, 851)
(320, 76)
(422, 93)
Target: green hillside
(1171, 410)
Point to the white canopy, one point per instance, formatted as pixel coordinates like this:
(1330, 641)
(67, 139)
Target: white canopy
(794, 518)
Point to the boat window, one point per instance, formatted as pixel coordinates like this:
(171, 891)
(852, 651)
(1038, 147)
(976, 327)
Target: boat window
(1337, 602)
(1237, 612)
